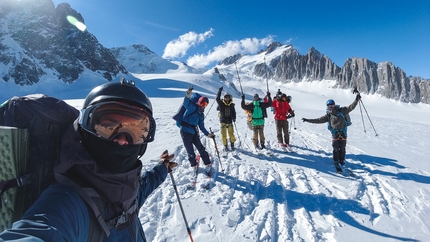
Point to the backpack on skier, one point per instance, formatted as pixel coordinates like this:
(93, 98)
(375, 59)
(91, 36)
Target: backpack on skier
(346, 117)
(31, 128)
(179, 115)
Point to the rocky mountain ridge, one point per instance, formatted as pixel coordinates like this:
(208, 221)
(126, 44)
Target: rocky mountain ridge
(370, 78)
(37, 43)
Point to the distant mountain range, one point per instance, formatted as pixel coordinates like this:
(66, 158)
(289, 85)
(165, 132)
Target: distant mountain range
(37, 44)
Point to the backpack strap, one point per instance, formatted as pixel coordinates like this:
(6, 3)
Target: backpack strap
(14, 182)
(87, 198)
(125, 218)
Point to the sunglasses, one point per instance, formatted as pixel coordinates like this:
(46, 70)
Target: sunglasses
(114, 118)
(331, 106)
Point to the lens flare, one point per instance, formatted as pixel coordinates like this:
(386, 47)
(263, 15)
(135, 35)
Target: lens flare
(73, 21)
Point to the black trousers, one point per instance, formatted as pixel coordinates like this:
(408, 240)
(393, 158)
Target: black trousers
(339, 149)
(193, 139)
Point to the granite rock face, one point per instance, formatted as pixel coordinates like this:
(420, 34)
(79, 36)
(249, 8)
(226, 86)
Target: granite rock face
(37, 40)
(369, 77)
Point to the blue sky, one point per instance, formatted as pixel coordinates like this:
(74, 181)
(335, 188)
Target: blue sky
(205, 32)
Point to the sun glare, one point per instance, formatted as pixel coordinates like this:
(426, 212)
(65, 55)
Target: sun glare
(72, 20)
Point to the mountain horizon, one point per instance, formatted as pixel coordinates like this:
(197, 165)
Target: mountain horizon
(27, 68)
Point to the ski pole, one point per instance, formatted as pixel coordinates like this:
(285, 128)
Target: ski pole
(209, 109)
(361, 112)
(238, 77)
(361, 102)
(267, 81)
(180, 205)
(376, 134)
(216, 148)
(362, 118)
(238, 137)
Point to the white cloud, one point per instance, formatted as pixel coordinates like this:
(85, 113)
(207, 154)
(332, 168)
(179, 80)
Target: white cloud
(229, 48)
(180, 46)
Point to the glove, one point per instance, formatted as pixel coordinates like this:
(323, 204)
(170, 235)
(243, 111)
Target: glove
(358, 97)
(268, 93)
(211, 135)
(243, 97)
(165, 158)
(220, 89)
(188, 92)
(292, 114)
(305, 120)
(234, 120)
(355, 91)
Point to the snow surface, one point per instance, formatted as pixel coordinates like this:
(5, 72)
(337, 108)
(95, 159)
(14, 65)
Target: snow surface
(292, 196)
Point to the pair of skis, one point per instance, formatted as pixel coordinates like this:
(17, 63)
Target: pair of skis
(209, 181)
(287, 149)
(206, 184)
(339, 169)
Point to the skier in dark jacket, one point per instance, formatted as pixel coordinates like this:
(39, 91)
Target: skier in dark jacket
(338, 127)
(99, 171)
(227, 116)
(193, 120)
(258, 109)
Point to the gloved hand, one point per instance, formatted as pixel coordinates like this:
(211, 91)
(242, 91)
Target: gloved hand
(188, 92)
(268, 93)
(211, 135)
(305, 120)
(165, 158)
(243, 97)
(358, 97)
(220, 89)
(355, 91)
(234, 120)
(292, 114)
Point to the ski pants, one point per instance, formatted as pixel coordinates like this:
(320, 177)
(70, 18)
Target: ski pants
(258, 131)
(339, 149)
(282, 127)
(193, 139)
(227, 128)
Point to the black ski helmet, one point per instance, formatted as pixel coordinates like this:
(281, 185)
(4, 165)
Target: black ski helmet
(124, 91)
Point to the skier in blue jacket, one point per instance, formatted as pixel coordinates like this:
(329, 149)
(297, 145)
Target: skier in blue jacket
(100, 188)
(193, 120)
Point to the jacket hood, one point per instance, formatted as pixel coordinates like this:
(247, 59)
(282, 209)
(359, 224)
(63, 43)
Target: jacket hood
(195, 97)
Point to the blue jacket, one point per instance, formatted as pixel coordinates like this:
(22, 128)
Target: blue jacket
(193, 116)
(44, 222)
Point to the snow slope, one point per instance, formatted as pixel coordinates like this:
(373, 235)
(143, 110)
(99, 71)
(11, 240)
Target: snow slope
(293, 196)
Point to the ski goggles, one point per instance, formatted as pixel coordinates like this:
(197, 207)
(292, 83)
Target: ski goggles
(108, 120)
(204, 104)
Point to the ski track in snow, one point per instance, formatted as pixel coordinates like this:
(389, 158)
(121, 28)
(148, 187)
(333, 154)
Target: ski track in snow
(287, 196)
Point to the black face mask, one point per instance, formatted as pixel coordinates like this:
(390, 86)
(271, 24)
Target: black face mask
(111, 156)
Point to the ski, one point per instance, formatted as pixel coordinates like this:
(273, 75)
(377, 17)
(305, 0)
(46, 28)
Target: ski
(192, 185)
(288, 149)
(338, 168)
(207, 184)
(262, 152)
(349, 171)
